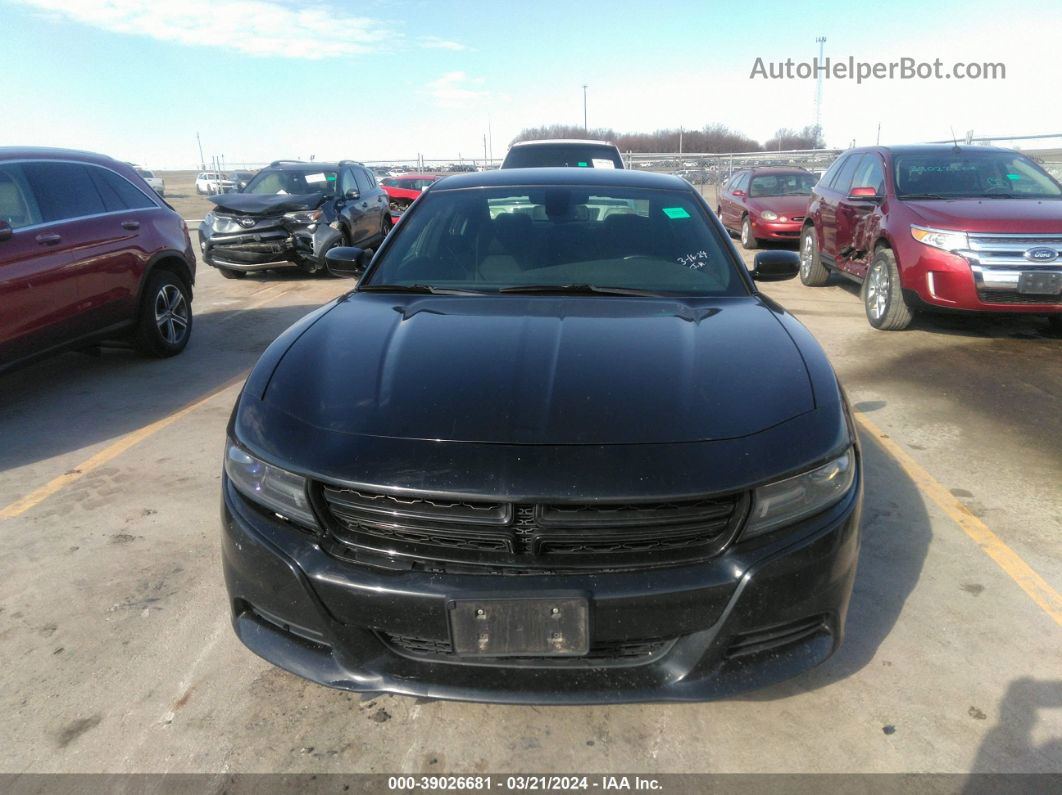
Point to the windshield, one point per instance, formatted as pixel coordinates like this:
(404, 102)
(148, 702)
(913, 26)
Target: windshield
(282, 181)
(970, 175)
(144, 173)
(412, 183)
(799, 184)
(562, 155)
(500, 238)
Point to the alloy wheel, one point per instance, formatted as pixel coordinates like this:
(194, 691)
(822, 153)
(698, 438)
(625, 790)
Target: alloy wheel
(807, 253)
(878, 291)
(171, 314)
(745, 231)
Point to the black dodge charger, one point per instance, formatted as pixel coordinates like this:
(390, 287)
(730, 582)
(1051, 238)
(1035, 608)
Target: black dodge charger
(554, 447)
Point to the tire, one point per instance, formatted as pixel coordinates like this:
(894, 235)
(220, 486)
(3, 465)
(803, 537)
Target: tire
(229, 273)
(748, 240)
(322, 269)
(812, 272)
(1054, 323)
(883, 294)
(165, 323)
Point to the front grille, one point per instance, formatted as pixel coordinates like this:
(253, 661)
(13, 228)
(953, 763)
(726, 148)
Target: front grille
(776, 637)
(640, 650)
(1008, 251)
(420, 531)
(796, 218)
(1007, 297)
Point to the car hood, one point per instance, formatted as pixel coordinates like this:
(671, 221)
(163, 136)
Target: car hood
(991, 215)
(266, 204)
(783, 205)
(543, 369)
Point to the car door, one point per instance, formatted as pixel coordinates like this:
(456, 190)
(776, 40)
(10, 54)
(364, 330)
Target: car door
(348, 204)
(381, 201)
(38, 296)
(102, 240)
(858, 218)
(831, 195)
(367, 222)
(732, 208)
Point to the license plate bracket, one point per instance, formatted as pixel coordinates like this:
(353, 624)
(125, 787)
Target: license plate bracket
(540, 626)
(1040, 283)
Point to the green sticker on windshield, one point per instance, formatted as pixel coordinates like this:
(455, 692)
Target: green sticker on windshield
(583, 165)
(676, 212)
(1013, 176)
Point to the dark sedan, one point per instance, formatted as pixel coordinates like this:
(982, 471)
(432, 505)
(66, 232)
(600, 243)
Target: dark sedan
(555, 447)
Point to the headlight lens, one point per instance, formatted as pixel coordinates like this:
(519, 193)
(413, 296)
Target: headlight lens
(304, 216)
(225, 225)
(945, 239)
(277, 489)
(769, 215)
(795, 498)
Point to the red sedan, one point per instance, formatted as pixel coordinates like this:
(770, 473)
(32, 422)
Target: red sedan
(402, 191)
(766, 204)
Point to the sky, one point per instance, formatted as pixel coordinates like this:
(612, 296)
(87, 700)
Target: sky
(265, 79)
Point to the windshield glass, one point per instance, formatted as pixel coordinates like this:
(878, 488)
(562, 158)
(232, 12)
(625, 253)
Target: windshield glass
(294, 182)
(562, 155)
(498, 238)
(972, 174)
(413, 183)
(144, 173)
(799, 184)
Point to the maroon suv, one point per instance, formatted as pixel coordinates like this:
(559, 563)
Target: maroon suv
(938, 227)
(88, 251)
(765, 204)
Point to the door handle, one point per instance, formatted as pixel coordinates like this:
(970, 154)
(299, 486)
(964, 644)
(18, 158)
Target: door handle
(49, 239)
(131, 225)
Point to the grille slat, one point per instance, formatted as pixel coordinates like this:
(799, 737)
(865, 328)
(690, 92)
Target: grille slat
(529, 537)
(638, 649)
(773, 638)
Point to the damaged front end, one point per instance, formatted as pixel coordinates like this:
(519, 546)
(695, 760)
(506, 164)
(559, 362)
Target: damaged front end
(249, 233)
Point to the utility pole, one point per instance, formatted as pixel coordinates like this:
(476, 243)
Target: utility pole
(818, 88)
(586, 128)
(877, 141)
(202, 160)
(485, 161)
(490, 140)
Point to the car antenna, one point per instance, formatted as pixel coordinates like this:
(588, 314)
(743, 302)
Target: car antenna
(954, 140)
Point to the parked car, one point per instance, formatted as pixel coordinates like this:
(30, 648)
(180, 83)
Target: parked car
(240, 179)
(290, 214)
(404, 190)
(563, 152)
(553, 447)
(88, 252)
(762, 204)
(941, 227)
(210, 183)
(157, 184)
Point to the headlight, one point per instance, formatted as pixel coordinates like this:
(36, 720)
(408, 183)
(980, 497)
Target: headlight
(795, 498)
(224, 225)
(304, 216)
(768, 215)
(272, 487)
(940, 238)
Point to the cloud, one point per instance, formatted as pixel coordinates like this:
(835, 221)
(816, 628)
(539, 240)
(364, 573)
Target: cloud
(456, 90)
(252, 27)
(436, 43)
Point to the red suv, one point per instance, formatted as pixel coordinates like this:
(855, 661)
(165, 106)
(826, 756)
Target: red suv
(88, 251)
(938, 227)
(765, 204)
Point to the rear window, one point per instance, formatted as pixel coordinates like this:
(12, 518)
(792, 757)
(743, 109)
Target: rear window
(495, 238)
(562, 155)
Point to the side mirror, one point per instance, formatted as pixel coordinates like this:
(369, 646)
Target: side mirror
(241, 184)
(5, 230)
(347, 262)
(352, 194)
(739, 193)
(864, 193)
(775, 266)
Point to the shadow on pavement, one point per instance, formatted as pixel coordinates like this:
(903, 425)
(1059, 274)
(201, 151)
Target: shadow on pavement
(76, 400)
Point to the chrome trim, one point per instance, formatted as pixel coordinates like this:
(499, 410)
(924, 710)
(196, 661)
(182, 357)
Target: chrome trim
(245, 266)
(999, 279)
(991, 250)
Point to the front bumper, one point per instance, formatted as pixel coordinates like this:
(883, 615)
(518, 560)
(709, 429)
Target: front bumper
(759, 613)
(776, 230)
(274, 247)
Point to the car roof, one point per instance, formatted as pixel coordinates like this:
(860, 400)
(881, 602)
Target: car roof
(53, 153)
(531, 177)
(417, 175)
(758, 170)
(931, 149)
(552, 141)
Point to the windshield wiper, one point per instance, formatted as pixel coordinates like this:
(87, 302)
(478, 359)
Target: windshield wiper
(928, 196)
(419, 288)
(578, 289)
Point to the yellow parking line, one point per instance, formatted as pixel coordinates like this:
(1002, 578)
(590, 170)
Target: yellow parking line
(1049, 600)
(108, 453)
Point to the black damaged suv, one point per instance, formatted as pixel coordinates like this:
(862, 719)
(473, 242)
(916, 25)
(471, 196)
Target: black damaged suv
(290, 214)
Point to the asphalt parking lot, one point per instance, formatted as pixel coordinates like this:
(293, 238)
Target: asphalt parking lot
(119, 656)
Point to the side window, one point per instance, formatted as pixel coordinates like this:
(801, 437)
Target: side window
(740, 181)
(17, 206)
(372, 178)
(843, 181)
(116, 192)
(831, 172)
(63, 190)
(363, 180)
(346, 182)
(870, 173)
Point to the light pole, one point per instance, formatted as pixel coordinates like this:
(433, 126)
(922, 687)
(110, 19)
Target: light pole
(586, 128)
(820, 40)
